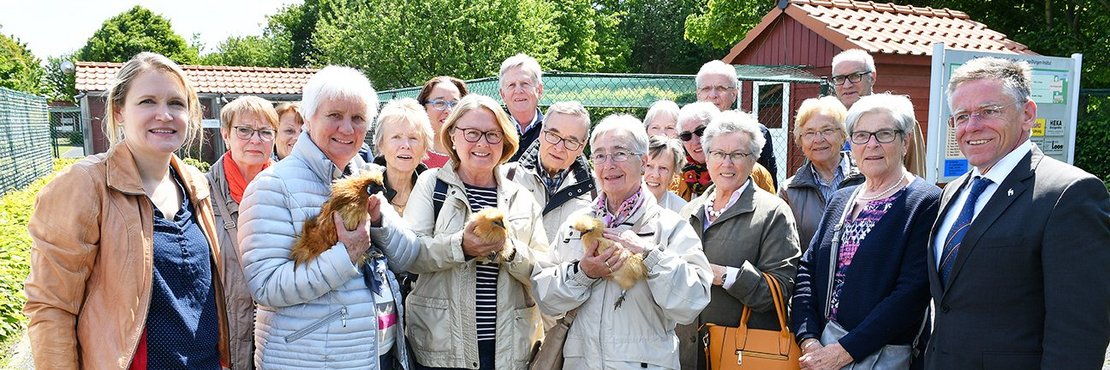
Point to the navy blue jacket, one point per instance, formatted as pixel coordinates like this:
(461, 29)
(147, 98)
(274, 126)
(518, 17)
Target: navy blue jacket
(886, 289)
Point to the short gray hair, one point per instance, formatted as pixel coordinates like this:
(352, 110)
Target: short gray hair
(335, 82)
(573, 109)
(897, 106)
(525, 62)
(716, 67)
(659, 144)
(661, 107)
(735, 121)
(702, 111)
(1016, 77)
(855, 55)
(406, 110)
(623, 123)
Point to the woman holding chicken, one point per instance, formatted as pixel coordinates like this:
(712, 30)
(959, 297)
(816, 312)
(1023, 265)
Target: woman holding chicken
(614, 326)
(471, 306)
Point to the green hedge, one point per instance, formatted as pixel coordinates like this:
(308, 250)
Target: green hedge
(1092, 138)
(15, 248)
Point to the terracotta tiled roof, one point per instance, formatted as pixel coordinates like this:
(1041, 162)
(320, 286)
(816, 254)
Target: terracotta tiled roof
(96, 76)
(889, 28)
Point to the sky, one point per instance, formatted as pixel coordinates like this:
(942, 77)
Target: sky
(56, 27)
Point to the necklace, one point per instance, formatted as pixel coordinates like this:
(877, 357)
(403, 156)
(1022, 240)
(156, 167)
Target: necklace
(713, 213)
(884, 192)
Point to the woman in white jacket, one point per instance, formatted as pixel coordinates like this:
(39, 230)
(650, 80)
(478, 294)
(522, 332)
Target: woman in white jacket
(639, 333)
(470, 308)
(327, 312)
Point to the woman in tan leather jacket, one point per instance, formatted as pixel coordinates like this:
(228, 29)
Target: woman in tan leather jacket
(124, 260)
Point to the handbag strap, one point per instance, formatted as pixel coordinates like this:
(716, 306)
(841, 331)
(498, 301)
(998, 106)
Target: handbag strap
(834, 247)
(780, 311)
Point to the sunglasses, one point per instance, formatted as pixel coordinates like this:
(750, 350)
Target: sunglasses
(687, 135)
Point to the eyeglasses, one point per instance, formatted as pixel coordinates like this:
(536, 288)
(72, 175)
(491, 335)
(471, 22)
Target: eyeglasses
(990, 112)
(246, 133)
(731, 157)
(687, 135)
(440, 104)
(853, 77)
(554, 139)
(810, 135)
(473, 135)
(882, 136)
(719, 89)
(617, 156)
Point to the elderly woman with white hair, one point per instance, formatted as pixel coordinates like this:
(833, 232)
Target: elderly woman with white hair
(471, 307)
(341, 308)
(862, 286)
(403, 137)
(615, 327)
(819, 132)
(745, 233)
(664, 159)
(662, 119)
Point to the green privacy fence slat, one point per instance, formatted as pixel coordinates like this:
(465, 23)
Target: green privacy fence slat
(25, 148)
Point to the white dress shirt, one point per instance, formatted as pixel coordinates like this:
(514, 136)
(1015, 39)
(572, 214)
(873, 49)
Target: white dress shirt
(996, 174)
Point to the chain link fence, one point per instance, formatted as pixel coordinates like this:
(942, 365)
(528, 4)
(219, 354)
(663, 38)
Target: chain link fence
(772, 94)
(25, 149)
(66, 136)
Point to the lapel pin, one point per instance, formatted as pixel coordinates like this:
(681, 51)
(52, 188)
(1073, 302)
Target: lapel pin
(1010, 193)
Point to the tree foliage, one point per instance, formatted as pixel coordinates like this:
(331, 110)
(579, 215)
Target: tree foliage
(59, 84)
(134, 31)
(655, 28)
(402, 43)
(725, 22)
(260, 51)
(1058, 28)
(19, 69)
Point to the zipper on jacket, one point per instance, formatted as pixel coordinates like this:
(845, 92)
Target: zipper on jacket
(340, 314)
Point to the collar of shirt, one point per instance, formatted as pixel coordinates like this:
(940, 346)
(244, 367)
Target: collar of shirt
(731, 201)
(531, 126)
(1004, 166)
(550, 181)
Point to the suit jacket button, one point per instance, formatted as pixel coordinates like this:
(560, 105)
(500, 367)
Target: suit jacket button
(944, 308)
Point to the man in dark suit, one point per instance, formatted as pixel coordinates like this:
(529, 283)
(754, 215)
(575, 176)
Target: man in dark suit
(1021, 246)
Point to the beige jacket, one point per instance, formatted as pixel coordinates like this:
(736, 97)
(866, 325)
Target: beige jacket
(92, 262)
(240, 305)
(440, 310)
(530, 180)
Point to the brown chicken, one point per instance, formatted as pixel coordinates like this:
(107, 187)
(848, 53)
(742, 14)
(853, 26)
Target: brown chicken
(633, 269)
(489, 225)
(348, 197)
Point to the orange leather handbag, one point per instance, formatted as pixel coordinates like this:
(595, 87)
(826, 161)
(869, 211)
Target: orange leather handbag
(746, 348)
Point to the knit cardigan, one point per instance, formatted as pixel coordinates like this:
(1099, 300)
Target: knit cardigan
(885, 291)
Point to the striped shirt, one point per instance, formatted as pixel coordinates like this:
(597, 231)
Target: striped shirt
(485, 299)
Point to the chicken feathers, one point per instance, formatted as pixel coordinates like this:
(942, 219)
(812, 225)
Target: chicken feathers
(348, 197)
(489, 225)
(633, 269)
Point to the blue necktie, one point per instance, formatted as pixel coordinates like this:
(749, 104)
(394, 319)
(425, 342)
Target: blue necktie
(959, 228)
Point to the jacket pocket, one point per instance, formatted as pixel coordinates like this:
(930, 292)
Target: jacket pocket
(428, 324)
(316, 325)
(1012, 360)
(526, 326)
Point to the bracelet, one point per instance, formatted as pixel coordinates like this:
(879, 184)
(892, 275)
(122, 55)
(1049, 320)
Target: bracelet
(809, 342)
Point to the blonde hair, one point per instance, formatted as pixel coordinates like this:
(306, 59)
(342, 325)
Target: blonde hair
(403, 111)
(510, 141)
(117, 94)
(244, 105)
(295, 107)
(829, 106)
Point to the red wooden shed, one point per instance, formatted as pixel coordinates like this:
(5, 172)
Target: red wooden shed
(808, 33)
